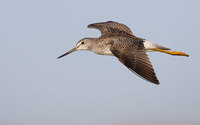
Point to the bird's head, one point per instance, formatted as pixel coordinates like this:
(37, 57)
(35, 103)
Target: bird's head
(83, 44)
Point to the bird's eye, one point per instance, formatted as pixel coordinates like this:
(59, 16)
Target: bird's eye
(82, 42)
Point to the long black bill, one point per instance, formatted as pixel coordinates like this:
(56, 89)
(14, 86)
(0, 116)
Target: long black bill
(72, 50)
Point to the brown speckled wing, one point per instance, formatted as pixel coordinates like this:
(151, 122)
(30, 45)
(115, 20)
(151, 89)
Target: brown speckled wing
(110, 28)
(132, 54)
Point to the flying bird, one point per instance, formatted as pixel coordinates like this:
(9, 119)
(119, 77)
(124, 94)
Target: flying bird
(117, 40)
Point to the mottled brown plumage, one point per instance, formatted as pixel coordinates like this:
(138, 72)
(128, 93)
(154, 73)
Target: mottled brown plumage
(127, 48)
(117, 40)
(131, 52)
(110, 29)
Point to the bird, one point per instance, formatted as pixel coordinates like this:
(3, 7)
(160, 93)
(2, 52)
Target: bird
(118, 40)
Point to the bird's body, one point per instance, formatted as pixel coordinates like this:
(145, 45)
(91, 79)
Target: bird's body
(102, 46)
(118, 40)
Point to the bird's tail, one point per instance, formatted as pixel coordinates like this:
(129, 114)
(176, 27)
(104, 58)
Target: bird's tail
(151, 46)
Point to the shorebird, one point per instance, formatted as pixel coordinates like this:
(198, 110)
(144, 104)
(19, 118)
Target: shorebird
(117, 40)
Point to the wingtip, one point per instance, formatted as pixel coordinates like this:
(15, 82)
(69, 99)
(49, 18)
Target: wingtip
(91, 25)
(157, 83)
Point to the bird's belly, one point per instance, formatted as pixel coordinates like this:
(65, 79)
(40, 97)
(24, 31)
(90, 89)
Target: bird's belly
(105, 51)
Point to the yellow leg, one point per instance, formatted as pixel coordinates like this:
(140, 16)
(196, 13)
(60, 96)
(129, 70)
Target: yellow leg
(171, 52)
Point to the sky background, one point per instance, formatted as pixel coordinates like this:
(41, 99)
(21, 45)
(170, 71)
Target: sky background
(88, 89)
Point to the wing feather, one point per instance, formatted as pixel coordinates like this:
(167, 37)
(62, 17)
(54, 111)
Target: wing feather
(110, 28)
(132, 54)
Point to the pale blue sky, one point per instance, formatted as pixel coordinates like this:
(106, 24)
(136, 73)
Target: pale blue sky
(87, 89)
